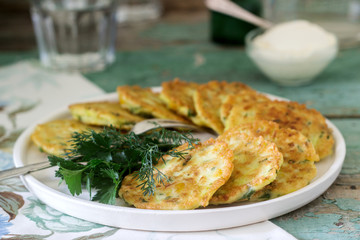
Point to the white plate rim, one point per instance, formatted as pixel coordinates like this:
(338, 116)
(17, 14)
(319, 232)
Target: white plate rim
(177, 220)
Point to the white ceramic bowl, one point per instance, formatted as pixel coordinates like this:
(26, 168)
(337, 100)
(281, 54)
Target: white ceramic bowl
(285, 69)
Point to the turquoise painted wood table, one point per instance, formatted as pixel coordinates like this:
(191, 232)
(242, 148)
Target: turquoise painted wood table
(183, 50)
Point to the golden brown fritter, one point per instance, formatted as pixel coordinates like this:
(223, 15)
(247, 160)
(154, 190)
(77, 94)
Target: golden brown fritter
(299, 155)
(144, 102)
(53, 137)
(104, 114)
(256, 163)
(288, 115)
(238, 100)
(193, 179)
(178, 96)
(208, 99)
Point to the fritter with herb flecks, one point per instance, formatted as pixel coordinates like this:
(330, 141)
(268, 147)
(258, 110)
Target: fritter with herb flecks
(104, 114)
(178, 96)
(192, 179)
(53, 137)
(238, 100)
(144, 102)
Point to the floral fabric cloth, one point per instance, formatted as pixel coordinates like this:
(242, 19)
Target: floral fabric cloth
(27, 92)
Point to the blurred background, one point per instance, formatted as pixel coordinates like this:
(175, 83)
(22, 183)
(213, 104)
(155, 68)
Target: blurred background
(189, 21)
(17, 34)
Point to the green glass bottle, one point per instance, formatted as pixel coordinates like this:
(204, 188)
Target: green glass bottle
(227, 30)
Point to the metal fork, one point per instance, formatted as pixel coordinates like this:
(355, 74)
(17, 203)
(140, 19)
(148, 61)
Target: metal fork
(139, 128)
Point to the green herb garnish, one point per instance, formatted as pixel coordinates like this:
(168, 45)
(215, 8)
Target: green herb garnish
(100, 160)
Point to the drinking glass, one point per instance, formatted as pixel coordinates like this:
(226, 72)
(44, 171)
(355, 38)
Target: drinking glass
(75, 35)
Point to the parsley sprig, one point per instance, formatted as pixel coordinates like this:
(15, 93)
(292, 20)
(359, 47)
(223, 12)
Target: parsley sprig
(100, 160)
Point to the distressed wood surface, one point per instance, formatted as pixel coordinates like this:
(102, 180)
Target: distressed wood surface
(179, 47)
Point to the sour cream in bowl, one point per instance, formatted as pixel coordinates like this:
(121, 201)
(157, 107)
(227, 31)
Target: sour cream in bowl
(292, 53)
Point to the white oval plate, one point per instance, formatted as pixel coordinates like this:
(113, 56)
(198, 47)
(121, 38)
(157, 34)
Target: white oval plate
(46, 187)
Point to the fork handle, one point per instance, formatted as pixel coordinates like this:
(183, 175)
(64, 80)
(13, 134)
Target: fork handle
(14, 172)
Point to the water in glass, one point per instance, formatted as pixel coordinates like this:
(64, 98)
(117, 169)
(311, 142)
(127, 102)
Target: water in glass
(75, 34)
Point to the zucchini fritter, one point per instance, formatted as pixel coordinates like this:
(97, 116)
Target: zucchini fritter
(53, 137)
(288, 115)
(208, 99)
(256, 163)
(104, 114)
(144, 102)
(193, 179)
(178, 96)
(239, 99)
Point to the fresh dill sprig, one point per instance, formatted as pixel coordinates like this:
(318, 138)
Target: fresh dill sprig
(100, 160)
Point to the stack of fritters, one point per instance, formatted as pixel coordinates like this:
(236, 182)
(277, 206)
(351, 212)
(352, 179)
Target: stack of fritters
(299, 155)
(221, 106)
(265, 149)
(288, 115)
(256, 164)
